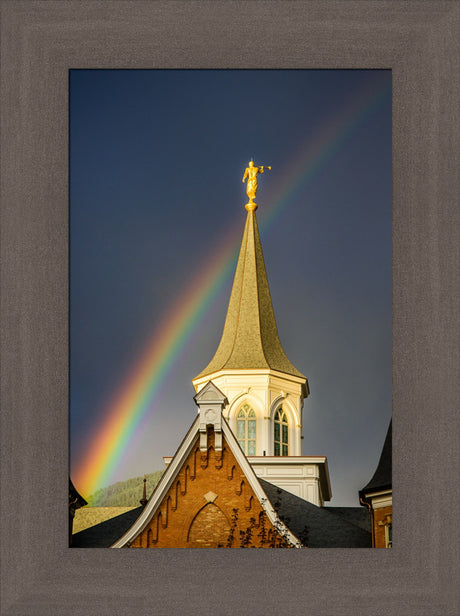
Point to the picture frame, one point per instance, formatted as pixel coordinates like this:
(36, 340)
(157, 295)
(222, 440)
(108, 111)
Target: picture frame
(41, 41)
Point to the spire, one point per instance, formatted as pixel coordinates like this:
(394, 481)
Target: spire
(143, 500)
(250, 337)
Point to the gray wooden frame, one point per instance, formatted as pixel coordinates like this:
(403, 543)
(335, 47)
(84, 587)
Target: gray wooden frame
(41, 41)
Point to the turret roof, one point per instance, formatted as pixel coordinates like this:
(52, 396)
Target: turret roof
(381, 480)
(250, 338)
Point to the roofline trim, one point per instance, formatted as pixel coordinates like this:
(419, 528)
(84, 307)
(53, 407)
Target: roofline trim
(253, 371)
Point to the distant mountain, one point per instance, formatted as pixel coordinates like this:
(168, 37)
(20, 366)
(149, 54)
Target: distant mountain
(124, 493)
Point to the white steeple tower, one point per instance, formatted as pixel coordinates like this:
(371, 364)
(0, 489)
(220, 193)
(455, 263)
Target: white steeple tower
(265, 392)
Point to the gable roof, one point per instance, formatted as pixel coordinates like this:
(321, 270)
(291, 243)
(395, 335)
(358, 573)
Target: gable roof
(104, 534)
(355, 515)
(326, 527)
(321, 527)
(250, 337)
(176, 465)
(210, 394)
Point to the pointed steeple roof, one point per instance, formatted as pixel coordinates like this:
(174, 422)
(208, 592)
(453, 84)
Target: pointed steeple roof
(250, 338)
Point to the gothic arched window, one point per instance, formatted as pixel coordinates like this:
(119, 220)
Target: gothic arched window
(281, 433)
(246, 430)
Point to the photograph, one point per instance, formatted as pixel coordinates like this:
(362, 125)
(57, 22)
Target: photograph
(230, 308)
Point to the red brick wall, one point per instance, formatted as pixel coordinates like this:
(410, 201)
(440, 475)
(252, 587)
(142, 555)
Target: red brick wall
(186, 519)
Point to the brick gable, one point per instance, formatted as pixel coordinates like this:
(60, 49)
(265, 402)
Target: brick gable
(209, 504)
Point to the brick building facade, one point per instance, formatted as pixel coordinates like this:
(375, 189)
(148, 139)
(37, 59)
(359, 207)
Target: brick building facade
(210, 504)
(377, 496)
(209, 496)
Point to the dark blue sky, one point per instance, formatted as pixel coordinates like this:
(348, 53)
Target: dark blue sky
(156, 161)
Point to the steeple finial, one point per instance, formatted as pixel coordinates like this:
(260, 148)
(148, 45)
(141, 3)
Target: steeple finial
(251, 173)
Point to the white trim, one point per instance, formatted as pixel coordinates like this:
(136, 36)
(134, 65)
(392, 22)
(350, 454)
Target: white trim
(247, 397)
(197, 382)
(273, 459)
(384, 499)
(379, 493)
(291, 459)
(276, 470)
(283, 401)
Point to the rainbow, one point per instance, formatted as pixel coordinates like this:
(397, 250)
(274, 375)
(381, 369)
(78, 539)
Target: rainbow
(149, 376)
(144, 384)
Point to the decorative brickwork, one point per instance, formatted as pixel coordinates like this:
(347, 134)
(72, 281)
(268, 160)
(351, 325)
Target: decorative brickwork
(210, 504)
(208, 527)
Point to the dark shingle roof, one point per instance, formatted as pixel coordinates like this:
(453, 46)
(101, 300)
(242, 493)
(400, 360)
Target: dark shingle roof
(321, 527)
(318, 527)
(355, 515)
(381, 479)
(103, 535)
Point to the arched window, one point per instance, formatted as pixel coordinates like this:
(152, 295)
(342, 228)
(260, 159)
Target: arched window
(281, 433)
(246, 430)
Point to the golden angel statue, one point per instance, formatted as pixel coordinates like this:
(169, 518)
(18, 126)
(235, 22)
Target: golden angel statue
(251, 173)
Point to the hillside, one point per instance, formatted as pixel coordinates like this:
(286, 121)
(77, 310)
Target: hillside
(126, 493)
